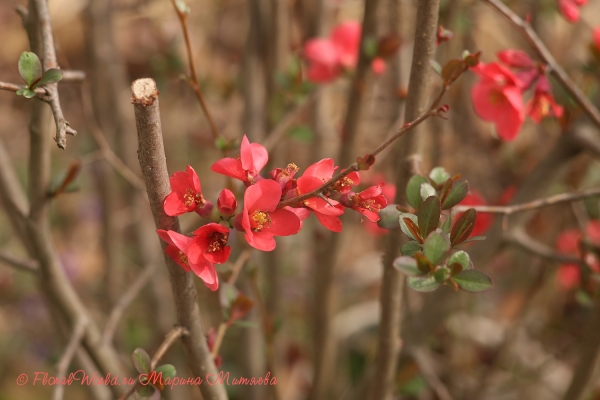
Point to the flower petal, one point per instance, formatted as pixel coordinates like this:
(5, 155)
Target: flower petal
(283, 223)
(263, 196)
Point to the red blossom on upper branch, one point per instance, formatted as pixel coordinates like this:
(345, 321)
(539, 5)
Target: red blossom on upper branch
(186, 195)
(246, 167)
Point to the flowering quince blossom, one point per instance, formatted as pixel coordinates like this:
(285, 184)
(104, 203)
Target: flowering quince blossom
(570, 9)
(368, 202)
(261, 219)
(253, 157)
(596, 37)
(226, 203)
(186, 195)
(542, 103)
(497, 98)
(570, 242)
(178, 246)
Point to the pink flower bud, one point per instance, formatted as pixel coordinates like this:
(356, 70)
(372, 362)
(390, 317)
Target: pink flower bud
(226, 203)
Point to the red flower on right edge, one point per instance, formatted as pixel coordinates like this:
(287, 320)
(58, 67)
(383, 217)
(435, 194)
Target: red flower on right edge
(570, 242)
(498, 96)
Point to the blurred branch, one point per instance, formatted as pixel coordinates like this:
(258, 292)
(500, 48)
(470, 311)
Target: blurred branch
(532, 205)
(193, 78)
(426, 365)
(171, 337)
(125, 301)
(67, 356)
(22, 264)
(151, 155)
(105, 148)
(49, 61)
(70, 75)
(554, 67)
(519, 237)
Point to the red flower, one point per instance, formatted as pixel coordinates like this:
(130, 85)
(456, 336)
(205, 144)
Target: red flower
(568, 242)
(346, 39)
(570, 9)
(542, 104)
(497, 98)
(253, 157)
(596, 37)
(261, 219)
(177, 246)
(568, 276)
(484, 220)
(368, 202)
(322, 58)
(515, 58)
(389, 192)
(210, 243)
(186, 195)
(378, 66)
(285, 177)
(226, 203)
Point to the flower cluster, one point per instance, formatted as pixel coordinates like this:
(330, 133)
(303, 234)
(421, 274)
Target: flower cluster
(570, 9)
(498, 96)
(576, 243)
(261, 216)
(329, 57)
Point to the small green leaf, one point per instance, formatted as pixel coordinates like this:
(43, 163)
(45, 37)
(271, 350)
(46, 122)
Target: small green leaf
(27, 93)
(462, 258)
(388, 217)
(369, 48)
(471, 280)
(447, 224)
(436, 247)
(457, 193)
(427, 191)
(439, 175)
(429, 215)
(474, 239)
(423, 263)
(141, 361)
(407, 265)
(53, 75)
(422, 284)
(301, 133)
(403, 225)
(436, 66)
(441, 275)
(446, 189)
(413, 190)
(167, 370)
(410, 248)
(147, 392)
(463, 227)
(30, 67)
(21, 91)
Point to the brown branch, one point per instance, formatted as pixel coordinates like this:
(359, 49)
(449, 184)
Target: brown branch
(519, 237)
(426, 365)
(49, 61)
(67, 356)
(555, 69)
(40, 92)
(193, 78)
(125, 301)
(151, 155)
(171, 337)
(22, 264)
(74, 76)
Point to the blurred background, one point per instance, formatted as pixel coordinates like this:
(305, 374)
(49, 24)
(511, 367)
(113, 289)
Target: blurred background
(521, 340)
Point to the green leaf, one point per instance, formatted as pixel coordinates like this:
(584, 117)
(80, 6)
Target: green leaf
(53, 75)
(407, 265)
(446, 189)
(463, 227)
(474, 239)
(21, 91)
(27, 93)
(457, 193)
(403, 225)
(369, 47)
(423, 263)
(301, 133)
(429, 215)
(427, 191)
(462, 258)
(439, 175)
(436, 66)
(436, 247)
(141, 361)
(422, 284)
(30, 67)
(410, 248)
(474, 281)
(441, 275)
(147, 392)
(413, 190)
(388, 217)
(447, 224)
(167, 370)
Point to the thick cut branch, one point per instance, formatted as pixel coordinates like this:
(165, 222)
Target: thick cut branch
(151, 155)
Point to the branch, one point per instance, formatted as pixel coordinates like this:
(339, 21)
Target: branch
(65, 359)
(171, 337)
(49, 59)
(532, 205)
(125, 301)
(151, 155)
(22, 264)
(523, 240)
(555, 68)
(40, 92)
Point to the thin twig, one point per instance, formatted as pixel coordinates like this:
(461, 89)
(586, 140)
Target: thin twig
(193, 78)
(519, 237)
(426, 365)
(104, 146)
(65, 359)
(22, 264)
(40, 92)
(532, 205)
(555, 69)
(125, 301)
(49, 59)
(171, 337)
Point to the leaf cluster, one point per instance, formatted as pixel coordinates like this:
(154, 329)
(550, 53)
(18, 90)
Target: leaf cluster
(30, 69)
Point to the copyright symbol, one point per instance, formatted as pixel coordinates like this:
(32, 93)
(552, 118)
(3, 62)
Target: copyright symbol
(22, 379)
